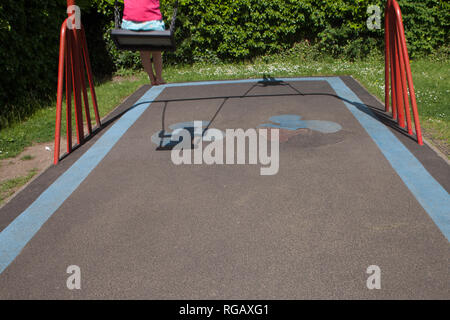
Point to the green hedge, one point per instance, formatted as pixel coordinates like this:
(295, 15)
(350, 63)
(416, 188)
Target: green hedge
(241, 29)
(29, 42)
(210, 30)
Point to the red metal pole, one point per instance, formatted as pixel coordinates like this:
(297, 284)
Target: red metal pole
(403, 81)
(386, 58)
(398, 85)
(68, 98)
(86, 104)
(392, 63)
(62, 52)
(83, 85)
(89, 75)
(76, 87)
(76, 79)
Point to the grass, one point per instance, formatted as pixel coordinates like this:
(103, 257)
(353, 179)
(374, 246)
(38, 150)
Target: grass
(431, 78)
(27, 157)
(40, 127)
(8, 187)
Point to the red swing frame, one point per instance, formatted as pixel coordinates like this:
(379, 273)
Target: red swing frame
(74, 65)
(398, 77)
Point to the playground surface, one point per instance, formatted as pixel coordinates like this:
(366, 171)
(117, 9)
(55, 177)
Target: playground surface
(352, 191)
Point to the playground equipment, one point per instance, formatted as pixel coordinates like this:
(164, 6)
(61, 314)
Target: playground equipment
(74, 60)
(73, 63)
(144, 40)
(398, 72)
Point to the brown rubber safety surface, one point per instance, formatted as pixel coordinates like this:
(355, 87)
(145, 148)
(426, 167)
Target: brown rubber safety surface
(141, 227)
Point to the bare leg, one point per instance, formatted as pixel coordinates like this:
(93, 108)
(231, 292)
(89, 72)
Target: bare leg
(158, 64)
(146, 62)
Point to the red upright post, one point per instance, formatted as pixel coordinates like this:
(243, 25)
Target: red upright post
(392, 64)
(398, 86)
(62, 53)
(404, 88)
(89, 75)
(77, 87)
(386, 57)
(68, 99)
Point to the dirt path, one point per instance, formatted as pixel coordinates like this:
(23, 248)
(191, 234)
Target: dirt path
(34, 159)
(38, 156)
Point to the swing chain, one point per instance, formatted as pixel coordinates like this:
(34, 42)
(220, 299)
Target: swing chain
(116, 15)
(174, 17)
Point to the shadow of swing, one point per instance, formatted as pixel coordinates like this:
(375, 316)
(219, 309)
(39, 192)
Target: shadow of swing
(372, 111)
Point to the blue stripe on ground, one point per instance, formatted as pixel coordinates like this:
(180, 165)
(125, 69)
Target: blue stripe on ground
(430, 194)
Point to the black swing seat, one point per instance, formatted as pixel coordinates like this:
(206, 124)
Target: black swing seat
(144, 40)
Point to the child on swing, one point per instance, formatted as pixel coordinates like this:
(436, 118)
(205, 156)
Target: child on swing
(145, 15)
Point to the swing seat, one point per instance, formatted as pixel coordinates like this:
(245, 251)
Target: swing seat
(143, 40)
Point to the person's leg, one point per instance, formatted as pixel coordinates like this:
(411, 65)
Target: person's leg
(147, 64)
(158, 64)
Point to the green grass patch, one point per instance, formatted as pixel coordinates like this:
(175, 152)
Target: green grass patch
(27, 157)
(40, 127)
(431, 78)
(8, 187)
